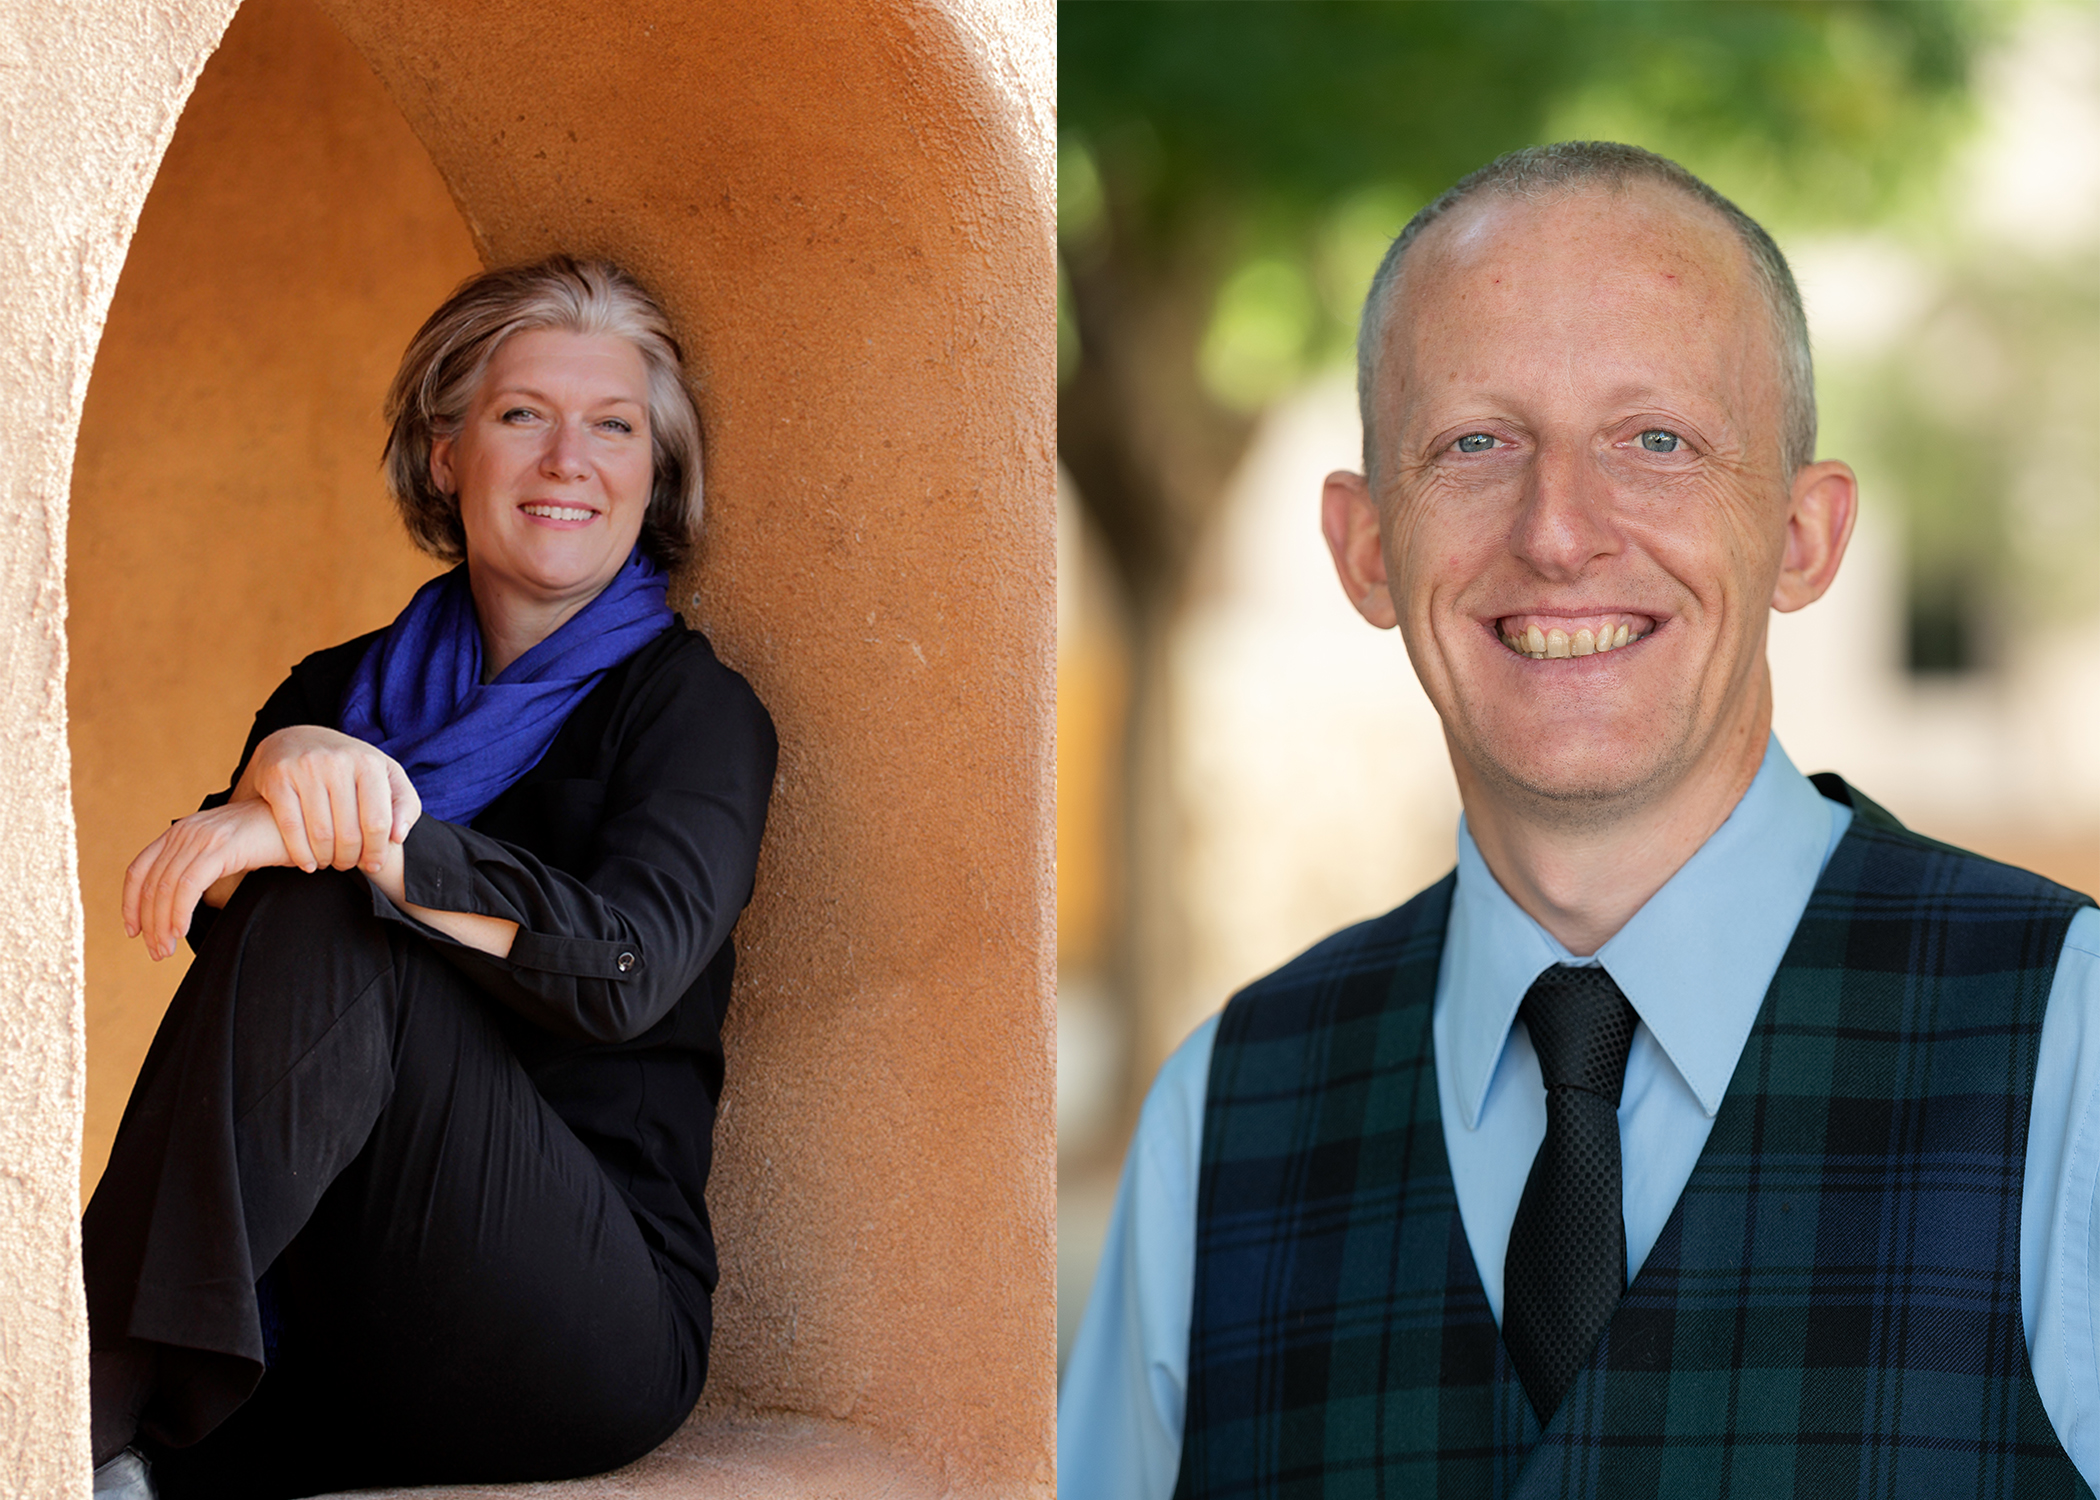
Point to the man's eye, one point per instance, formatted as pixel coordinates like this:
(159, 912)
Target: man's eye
(1658, 440)
(1474, 442)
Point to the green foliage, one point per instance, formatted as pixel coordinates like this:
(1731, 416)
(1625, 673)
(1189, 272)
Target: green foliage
(1306, 131)
(1259, 334)
(1298, 102)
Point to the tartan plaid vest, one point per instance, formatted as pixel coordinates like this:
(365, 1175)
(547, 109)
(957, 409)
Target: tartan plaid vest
(1832, 1309)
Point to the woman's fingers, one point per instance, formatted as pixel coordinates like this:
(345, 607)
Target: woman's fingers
(375, 810)
(191, 847)
(156, 899)
(208, 845)
(326, 799)
(135, 883)
(360, 809)
(321, 798)
(164, 884)
(288, 811)
(189, 883)
(347, 794)
(407, 801)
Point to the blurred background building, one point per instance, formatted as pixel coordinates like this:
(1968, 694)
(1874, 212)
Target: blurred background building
(1243, 765)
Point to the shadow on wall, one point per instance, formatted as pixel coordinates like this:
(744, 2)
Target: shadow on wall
(833, 202)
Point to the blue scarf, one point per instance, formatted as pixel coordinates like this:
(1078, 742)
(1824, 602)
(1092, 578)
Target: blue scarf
(418, 694)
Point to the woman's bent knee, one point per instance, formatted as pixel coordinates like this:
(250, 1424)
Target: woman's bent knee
(295, 905)
(300, 941)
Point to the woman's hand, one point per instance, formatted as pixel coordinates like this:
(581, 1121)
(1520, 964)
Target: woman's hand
(337, 801)
(163, 885)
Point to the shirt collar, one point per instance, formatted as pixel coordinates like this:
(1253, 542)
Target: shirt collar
(1695, 961)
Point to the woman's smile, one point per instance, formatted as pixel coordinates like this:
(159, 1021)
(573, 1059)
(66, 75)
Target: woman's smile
(561, 515)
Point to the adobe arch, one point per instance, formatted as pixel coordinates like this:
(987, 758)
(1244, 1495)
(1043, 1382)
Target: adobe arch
(843, 214)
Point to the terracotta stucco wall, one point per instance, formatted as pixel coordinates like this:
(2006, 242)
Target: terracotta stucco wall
(227, 515)
(91, 93)
(846, 208)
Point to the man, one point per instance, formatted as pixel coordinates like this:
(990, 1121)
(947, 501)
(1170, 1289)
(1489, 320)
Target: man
(1679, 1143)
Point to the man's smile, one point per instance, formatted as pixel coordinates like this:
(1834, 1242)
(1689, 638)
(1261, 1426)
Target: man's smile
(1551, 637)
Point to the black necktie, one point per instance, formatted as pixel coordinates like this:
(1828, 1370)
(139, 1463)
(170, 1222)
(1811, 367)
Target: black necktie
(1566, 1265)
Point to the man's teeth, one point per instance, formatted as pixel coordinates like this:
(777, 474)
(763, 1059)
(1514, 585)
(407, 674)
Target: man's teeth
(558, 512)
(1552, 645)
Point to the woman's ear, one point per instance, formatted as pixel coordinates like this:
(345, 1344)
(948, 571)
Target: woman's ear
(1349, 520)
(441, 464)
(1821, 508)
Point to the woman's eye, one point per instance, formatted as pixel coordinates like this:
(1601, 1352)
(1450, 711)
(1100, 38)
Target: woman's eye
(1474, 442)
(1658, 440)
(615, 424)
(518, 414)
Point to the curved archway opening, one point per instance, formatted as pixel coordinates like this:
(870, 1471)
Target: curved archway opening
(227, 514)
(832, 201)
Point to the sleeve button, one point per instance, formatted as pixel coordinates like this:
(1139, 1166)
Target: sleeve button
(626, 962)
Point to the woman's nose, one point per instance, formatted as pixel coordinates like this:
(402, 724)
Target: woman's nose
(564, 456)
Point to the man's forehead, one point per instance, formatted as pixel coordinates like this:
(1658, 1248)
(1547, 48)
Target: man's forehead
(1563, 233)
(1592, 293)
(1640, 271)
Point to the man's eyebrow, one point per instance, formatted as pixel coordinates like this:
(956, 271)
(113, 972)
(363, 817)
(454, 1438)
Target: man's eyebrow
(1705, 401)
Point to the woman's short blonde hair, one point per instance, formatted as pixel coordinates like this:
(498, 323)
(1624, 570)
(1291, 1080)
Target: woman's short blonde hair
(444, 363)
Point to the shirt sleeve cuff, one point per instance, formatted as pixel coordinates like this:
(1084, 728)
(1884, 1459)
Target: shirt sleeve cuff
(442, 870)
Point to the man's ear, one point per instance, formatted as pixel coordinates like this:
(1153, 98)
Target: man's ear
(441, 464)
(1349, 519)
(1821, 509)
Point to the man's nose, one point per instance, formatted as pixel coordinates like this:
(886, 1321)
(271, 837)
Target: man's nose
(1565, 521)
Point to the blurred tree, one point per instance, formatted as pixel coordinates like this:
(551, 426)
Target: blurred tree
(1230, 172)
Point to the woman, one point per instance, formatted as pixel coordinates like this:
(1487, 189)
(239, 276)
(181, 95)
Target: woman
(409, 1188)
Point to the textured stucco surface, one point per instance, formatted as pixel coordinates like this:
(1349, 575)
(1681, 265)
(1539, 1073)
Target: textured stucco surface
(846, 208)
(90, 93)
(227, 516)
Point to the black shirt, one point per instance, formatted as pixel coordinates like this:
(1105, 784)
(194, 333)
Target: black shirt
(624, 856)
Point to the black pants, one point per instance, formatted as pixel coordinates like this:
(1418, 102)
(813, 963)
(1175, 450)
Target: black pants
(455, 1292)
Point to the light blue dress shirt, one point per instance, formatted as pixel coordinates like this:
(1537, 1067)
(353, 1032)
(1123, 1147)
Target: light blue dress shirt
(1695, 961)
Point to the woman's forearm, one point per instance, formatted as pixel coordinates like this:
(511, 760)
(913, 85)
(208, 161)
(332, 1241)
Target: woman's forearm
(492, 935)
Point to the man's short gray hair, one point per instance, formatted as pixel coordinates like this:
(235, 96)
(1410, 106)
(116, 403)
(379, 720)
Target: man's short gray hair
(442, 368)
(1537, 171)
